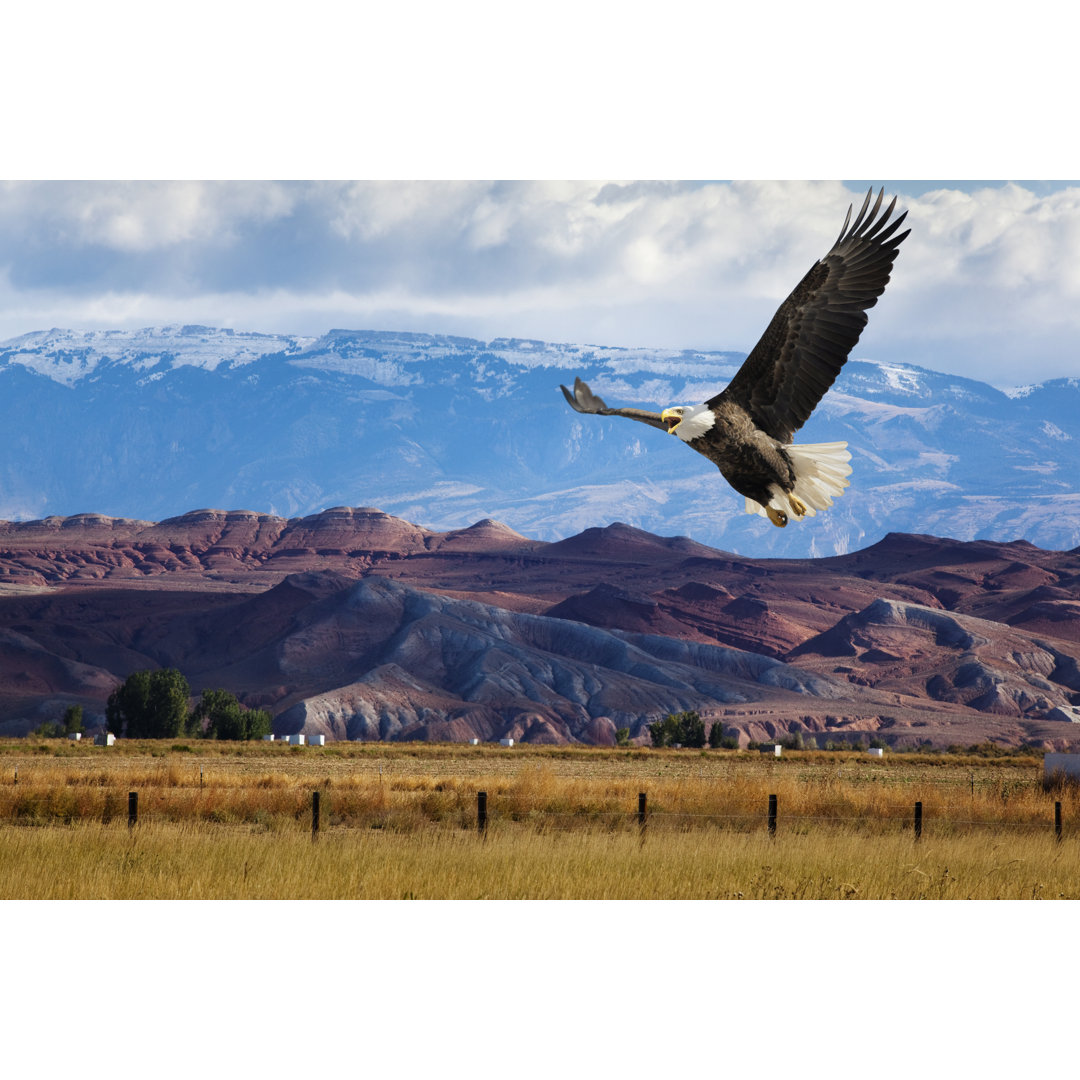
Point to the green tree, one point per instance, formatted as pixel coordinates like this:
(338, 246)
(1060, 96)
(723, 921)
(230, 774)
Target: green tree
(661, 731)
(622, 736)
(685, 728)
(716, 735)
(149, 705)
(73, 720)
(226, 718)
(691, 730)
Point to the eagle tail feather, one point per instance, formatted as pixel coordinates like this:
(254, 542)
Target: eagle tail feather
(821, 474)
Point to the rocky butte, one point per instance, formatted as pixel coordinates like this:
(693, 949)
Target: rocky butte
(359, 625)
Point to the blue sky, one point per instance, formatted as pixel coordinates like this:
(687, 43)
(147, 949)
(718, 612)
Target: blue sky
(987, 285)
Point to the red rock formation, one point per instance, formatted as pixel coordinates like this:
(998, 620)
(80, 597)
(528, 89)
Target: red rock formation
(236, 599)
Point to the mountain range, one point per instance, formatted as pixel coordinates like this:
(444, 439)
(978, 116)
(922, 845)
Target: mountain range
(448, 431)
(356, 624)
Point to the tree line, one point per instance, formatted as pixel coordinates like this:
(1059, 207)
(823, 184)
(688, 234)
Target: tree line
(154, 705)
(688, 729)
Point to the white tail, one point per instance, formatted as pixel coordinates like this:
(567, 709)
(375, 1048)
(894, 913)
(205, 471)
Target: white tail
(821, 474)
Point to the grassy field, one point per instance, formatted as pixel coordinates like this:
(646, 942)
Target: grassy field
(397, 821)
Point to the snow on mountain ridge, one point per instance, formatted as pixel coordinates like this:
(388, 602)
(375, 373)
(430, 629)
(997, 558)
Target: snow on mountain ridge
(66, 356)
(332, 420)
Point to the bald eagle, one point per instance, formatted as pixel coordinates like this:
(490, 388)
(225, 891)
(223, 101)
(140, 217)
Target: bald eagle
(746, 429)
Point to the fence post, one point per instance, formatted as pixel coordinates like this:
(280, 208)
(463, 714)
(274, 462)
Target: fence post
(133, 808)
(1057, 821)
(918, 820)
(481, 813)
(314, 815)
(642, 811)
(772, 815)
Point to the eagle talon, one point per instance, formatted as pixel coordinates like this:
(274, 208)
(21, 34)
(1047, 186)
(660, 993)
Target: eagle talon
(797, 505)
(777, 517)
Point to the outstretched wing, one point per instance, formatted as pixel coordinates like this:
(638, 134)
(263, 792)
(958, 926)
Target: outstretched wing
(583, 400)
(817, 326)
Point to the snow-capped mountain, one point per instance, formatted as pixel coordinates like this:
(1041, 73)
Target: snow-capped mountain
(445, 431)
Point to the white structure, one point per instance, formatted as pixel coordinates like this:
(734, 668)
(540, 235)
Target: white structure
(876, 752)
(105, 739)
(506, 742)
(316, 740)
(1062, 764)
(474, 742)
(75, 735)
(268, 738)
(295, 740)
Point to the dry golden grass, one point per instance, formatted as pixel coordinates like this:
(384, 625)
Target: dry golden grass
(401, 821)
(167, 861)
(395, 789)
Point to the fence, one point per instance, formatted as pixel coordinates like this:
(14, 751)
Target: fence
(772, 816)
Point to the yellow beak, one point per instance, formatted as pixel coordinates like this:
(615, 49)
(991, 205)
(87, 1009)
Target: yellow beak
(672, 418)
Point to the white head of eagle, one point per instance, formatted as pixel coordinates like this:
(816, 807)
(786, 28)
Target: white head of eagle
(688, 421)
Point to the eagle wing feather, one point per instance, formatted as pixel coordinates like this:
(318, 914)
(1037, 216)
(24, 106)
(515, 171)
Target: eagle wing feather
(583, 400)
(812, 333)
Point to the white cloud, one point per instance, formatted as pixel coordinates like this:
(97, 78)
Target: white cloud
(988, 280)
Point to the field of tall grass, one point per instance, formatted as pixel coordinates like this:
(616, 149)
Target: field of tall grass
(401, 821)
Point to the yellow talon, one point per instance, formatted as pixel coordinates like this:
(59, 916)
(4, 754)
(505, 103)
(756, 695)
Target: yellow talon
(777, 517)
(797, 505)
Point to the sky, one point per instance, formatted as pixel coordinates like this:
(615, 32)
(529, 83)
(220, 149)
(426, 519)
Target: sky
(987, 285)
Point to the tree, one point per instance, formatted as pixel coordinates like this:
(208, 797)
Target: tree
(622, 736)
(685, 728)
(226, 718)
(692, 730)
(73, 720)
(149, 705)
(660, 731)
(716, 735)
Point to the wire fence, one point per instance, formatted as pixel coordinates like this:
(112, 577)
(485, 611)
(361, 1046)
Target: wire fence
(644, 819)
(208, 793)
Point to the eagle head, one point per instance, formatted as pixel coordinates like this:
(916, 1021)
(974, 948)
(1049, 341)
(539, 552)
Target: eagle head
(688, 421)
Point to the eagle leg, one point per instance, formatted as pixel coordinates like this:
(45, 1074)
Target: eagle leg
(777, 517)
(797, 505)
